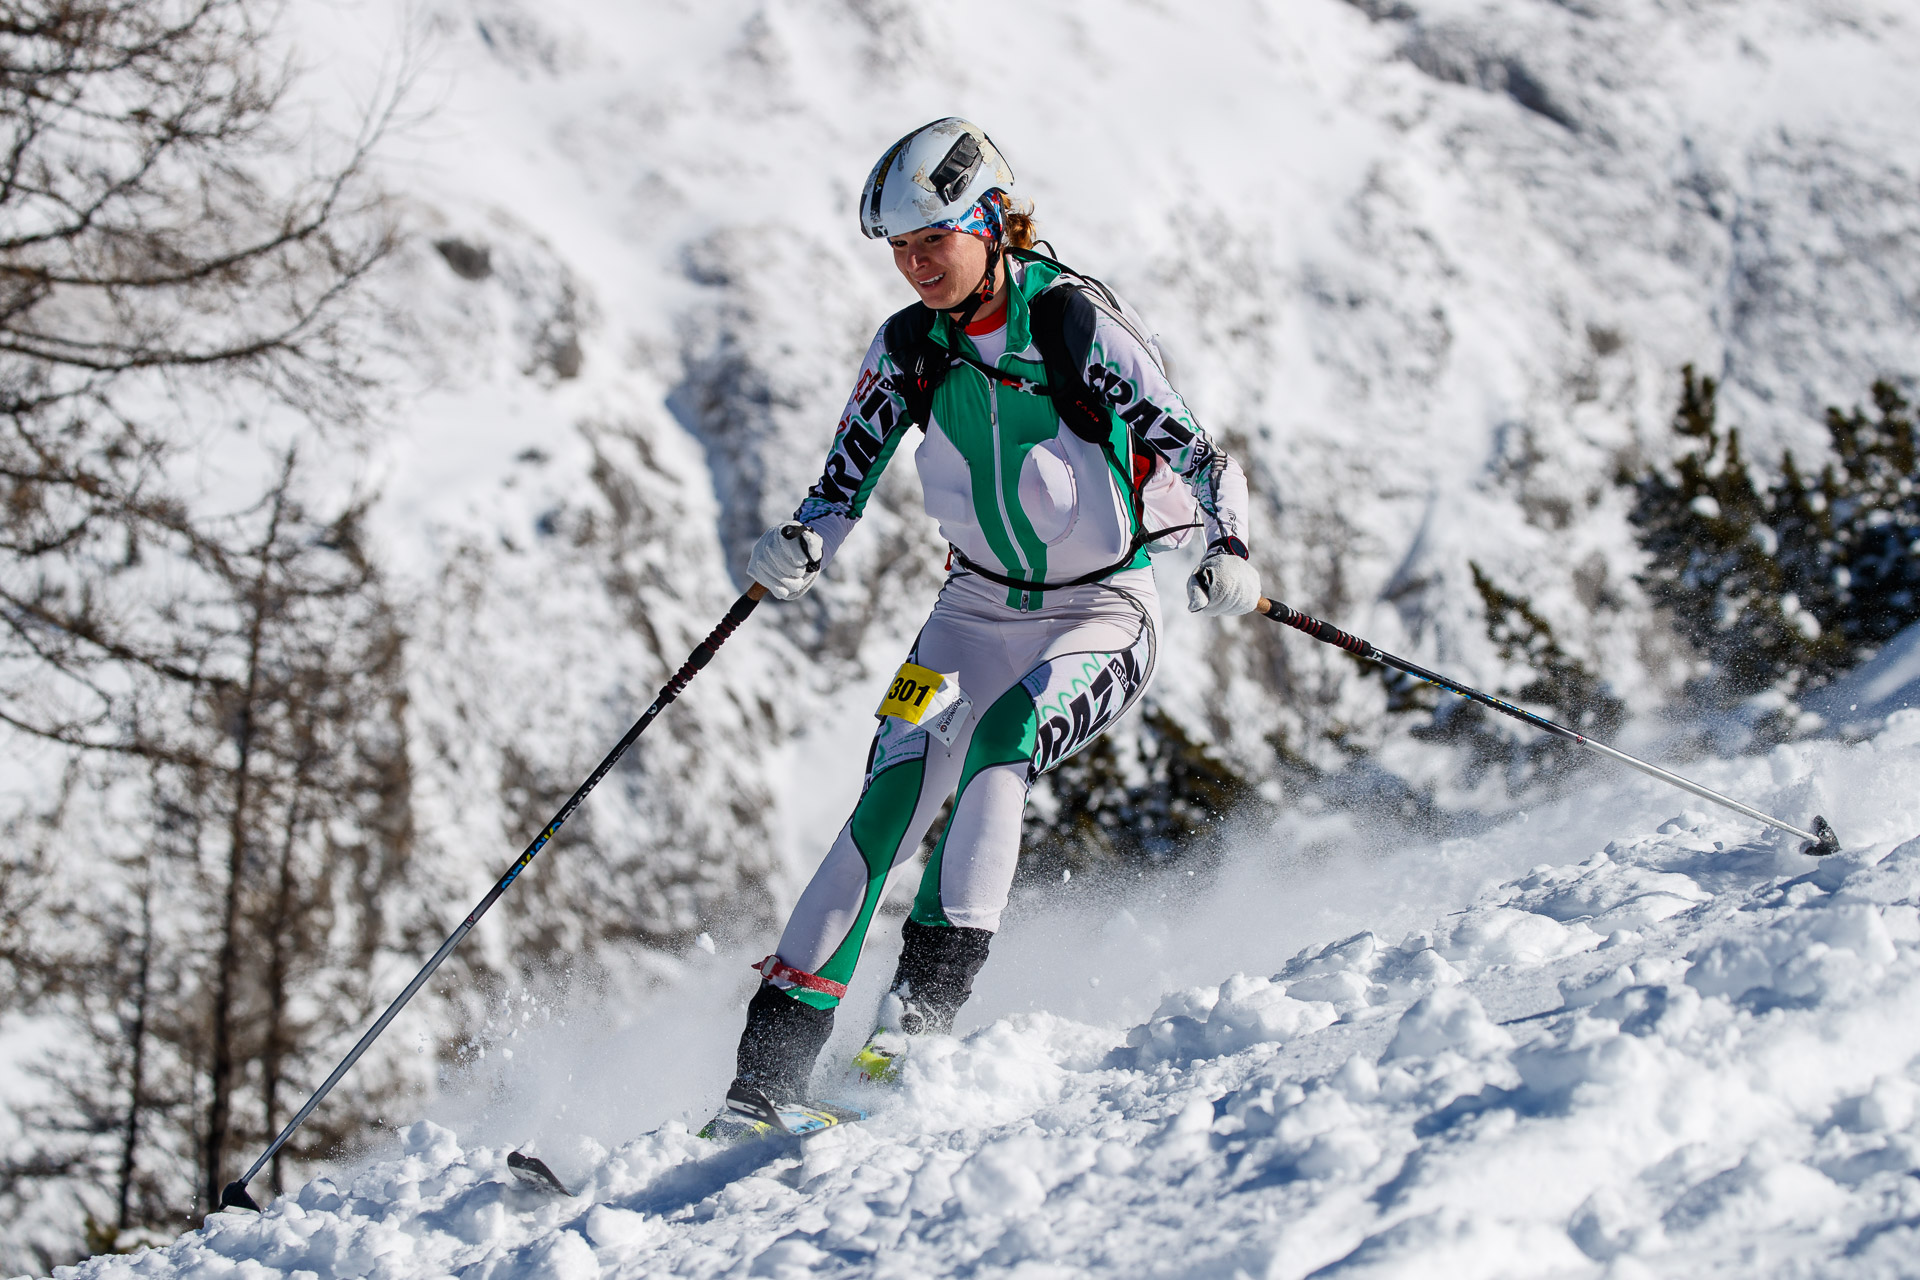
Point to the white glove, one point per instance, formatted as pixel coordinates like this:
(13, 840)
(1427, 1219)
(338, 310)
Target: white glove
(1223, 585)
(786, 560)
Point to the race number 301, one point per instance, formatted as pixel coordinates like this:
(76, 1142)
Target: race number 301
(928, 698)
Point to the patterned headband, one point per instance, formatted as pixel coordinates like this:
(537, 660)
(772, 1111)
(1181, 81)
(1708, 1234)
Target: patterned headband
(985, 219)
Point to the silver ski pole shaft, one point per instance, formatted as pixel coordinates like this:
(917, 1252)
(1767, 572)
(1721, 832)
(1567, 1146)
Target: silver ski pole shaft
(235, 1195)
(1818, 842)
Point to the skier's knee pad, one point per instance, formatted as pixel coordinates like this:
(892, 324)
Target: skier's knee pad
(935, 974)
(781, 1041)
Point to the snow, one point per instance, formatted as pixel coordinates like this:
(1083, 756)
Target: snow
(1690, 1052)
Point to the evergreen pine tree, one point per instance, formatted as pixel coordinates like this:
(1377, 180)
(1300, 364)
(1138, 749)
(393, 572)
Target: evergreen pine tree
(1872, 507)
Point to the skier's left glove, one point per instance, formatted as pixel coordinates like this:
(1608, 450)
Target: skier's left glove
(1224, 584)
(786, 560)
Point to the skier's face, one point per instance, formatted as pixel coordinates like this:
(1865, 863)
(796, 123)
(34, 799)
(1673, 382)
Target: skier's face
(942, 266)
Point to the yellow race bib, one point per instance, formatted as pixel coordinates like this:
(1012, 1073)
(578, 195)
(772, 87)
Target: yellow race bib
(914, 692)
(928, 698)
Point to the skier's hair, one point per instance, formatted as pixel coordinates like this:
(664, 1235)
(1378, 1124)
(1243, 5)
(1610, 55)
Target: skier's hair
(1021, 228)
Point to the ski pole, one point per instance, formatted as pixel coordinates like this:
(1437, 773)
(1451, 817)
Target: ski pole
(1819, 842)
(235, 1195)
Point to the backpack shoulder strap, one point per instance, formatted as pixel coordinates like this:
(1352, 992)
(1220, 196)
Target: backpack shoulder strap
(922, 362)
(1062, 318)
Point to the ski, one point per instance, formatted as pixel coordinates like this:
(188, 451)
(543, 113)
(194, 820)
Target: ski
(750, 1115)
(532, 1171)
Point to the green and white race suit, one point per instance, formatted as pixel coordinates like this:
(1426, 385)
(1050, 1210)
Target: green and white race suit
(1047, 669)
(1015, 491)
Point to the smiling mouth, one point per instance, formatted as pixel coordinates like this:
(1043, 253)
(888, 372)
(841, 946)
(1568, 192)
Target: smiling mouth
(932, 281)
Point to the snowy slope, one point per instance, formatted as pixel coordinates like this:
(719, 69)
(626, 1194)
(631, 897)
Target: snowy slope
(1689, 1053)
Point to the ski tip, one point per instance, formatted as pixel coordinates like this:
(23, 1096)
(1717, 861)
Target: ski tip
(532, 1171)
(1826, 842)
(235, 1197)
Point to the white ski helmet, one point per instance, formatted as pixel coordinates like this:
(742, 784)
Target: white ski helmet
(934, 174)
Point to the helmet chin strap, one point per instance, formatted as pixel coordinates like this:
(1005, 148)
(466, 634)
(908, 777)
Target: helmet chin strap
(982, 294)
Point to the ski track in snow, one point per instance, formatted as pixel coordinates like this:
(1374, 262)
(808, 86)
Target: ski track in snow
(1691, 1053)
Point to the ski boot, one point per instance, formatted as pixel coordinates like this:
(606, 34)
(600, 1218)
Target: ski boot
(777, 1050)
(934, 978)
(879, 1059)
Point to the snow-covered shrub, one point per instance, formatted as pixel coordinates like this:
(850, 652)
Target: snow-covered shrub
(1778, 579)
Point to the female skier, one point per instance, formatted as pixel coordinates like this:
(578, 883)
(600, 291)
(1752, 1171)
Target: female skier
(1051, 445)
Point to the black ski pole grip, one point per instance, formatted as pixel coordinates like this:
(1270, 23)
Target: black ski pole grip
(703, 652)
(1323, 631)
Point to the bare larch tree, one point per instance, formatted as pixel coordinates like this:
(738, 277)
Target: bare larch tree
(201, 669)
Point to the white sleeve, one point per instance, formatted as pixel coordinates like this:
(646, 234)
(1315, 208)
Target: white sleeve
(1119, 366)
(871, 428)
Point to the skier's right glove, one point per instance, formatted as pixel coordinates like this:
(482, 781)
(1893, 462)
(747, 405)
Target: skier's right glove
(786, 560)
(1224, 584)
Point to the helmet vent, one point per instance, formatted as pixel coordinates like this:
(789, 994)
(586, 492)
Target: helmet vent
(950, 177)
